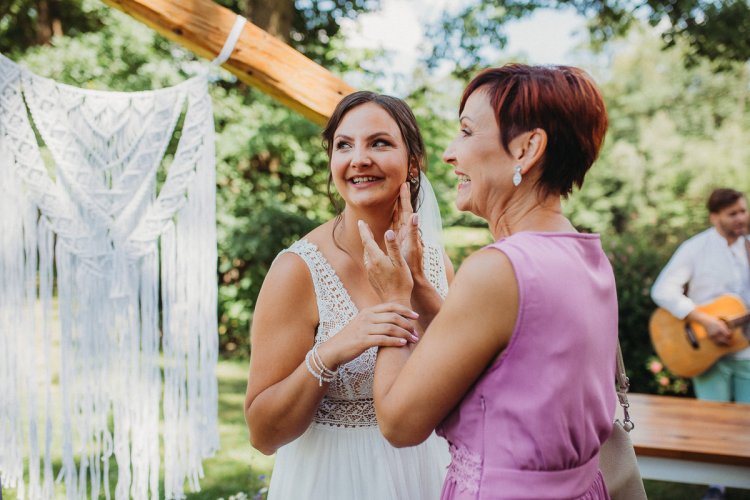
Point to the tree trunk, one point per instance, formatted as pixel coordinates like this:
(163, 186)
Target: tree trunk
(49, 23)
(44, 30)
(55, 10)
(273, 17)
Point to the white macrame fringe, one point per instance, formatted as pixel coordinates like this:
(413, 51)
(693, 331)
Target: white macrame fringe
(117, 247)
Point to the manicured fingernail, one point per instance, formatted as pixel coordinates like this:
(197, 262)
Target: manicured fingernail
(390, 235)
(359, 222)
(415, 219)
(414, 338)
(402, 341)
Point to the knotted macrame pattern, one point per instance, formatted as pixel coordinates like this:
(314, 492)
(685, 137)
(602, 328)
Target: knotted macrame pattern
(128, 261)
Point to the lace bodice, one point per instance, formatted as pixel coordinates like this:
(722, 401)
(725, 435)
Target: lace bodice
(348, 402)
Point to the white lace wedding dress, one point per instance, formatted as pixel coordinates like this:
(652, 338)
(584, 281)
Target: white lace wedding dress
(343, 455)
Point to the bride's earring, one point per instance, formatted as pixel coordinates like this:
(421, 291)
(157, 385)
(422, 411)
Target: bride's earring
(517, 176)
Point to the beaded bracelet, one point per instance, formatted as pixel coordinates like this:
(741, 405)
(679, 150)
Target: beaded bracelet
(318, 369)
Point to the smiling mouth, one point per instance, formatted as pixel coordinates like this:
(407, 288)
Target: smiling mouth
(362, 180)
(463, 179)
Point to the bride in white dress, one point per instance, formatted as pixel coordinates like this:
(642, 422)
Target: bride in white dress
(318, 323)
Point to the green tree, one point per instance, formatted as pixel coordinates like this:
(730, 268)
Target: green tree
(675, 134)
(717, 30)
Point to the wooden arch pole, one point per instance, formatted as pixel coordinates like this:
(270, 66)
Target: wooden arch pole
(259, 59)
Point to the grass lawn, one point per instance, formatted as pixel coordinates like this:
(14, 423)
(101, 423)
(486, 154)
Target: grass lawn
(237, 466)
(238, 469)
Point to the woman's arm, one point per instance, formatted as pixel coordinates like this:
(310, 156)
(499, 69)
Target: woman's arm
(425, 297)
(282, 395)
(415, 392)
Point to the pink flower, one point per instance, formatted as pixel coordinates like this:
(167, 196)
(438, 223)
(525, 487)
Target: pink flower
(664, 381)
(655, 366)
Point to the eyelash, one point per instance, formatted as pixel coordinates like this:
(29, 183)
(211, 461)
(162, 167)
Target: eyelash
(376, 143)
(465, 131)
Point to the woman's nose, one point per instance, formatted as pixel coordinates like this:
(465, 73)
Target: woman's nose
(360, 157)
(448, 155)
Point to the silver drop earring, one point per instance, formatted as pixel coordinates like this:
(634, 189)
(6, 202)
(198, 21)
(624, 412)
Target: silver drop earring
(517, 176)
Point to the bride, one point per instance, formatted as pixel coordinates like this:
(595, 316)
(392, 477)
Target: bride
(318, 323)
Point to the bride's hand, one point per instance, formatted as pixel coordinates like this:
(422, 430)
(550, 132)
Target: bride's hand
(384, 325)
(389, 274)
(406, 225)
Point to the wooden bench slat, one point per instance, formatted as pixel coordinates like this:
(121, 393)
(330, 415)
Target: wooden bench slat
(691, 429)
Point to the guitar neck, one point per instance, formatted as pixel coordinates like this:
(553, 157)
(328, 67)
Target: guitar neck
(740, 321)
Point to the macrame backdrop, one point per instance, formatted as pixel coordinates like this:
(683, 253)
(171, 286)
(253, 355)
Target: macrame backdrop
(129, 262)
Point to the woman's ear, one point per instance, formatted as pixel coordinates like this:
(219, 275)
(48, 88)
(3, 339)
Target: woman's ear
(530, 148)
(413, 169)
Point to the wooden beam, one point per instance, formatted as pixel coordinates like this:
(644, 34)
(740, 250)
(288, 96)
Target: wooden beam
(259, 59)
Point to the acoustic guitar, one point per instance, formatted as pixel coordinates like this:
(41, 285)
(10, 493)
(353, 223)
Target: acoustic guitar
(684, 346)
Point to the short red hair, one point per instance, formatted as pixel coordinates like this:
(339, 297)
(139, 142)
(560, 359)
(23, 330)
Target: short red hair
(561, 100)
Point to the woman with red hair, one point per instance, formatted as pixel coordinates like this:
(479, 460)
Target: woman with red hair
(516, 367)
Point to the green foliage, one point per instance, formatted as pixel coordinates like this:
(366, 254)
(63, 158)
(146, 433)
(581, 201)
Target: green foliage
(716, 30)
(675, 134)
(25, 23)
(636, 259)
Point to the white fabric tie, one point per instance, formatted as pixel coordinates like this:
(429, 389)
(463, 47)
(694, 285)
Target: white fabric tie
(232, 38)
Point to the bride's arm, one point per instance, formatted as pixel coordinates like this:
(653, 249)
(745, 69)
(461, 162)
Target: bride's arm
(282, 395)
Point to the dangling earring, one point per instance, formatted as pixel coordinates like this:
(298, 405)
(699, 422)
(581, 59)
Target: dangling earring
(413, 178)
(517, 176)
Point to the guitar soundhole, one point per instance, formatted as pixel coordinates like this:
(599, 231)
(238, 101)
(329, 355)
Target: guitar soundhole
(690, 333)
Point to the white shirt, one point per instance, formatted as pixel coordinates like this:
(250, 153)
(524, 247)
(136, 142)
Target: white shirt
(710, 267)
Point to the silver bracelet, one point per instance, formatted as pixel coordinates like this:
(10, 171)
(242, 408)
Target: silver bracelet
(319, 362)
(320, 372)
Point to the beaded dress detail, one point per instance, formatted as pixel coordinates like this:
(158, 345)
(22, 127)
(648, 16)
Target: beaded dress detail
(343, 455)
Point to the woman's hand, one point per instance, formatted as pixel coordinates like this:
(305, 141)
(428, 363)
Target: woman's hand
(389, 274)
(406, 225)
(383, 325)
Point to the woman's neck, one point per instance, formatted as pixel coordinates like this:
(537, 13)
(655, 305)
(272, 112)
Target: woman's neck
(529, 213)
(347, 232)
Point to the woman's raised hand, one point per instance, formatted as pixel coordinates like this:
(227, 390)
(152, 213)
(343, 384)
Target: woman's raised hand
(389, 274)
(406, 225)
(384, 325)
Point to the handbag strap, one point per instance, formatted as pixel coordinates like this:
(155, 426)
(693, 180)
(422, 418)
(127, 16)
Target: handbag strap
(622, 384)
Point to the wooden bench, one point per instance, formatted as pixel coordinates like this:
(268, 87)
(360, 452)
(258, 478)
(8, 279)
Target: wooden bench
(691, 441)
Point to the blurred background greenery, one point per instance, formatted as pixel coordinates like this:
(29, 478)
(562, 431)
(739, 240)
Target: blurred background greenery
(675, 76)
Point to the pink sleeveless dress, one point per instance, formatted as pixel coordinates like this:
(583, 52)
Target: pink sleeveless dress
(533, 424)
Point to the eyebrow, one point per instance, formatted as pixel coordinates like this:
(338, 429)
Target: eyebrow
(465, 117)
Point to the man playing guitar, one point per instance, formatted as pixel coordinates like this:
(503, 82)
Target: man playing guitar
(712, 263)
